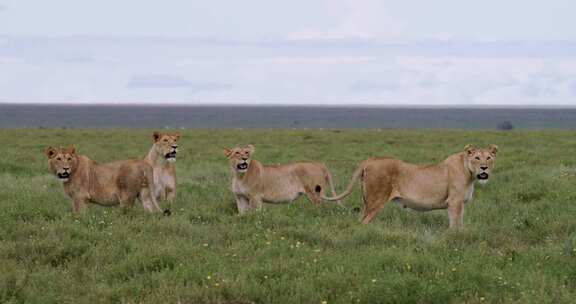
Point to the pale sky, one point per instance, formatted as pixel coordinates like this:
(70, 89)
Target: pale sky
(443, 52)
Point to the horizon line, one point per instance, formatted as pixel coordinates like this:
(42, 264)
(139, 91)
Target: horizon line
(329, 105)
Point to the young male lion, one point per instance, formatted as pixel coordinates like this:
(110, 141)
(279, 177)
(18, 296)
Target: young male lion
(162, 157)
(254, 183)
(108, 184)
(447, 185)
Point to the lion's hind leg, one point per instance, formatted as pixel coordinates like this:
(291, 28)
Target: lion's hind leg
(376, 195)
(313, 196)
(126, 200)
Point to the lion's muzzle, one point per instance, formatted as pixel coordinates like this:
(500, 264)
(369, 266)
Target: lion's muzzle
(243, 166)
(482, 176)
(171, 156)
(63, 175)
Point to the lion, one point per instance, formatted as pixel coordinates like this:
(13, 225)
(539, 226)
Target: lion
(161, 157)
(115, 183)
(254, 183)
(447, 185)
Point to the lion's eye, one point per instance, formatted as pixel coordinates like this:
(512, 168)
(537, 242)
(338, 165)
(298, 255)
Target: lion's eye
(165, 140)
(58, 158)
(237, 153)
(69, 159)
(488, 158)
(478, 158)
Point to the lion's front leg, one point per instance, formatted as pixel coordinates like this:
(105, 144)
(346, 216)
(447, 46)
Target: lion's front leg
(170, 195)
(79, 206)
(160, 193)
(256, 202)
(456, 214)
(242, 204)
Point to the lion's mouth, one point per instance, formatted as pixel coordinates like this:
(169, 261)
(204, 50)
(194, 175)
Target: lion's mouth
(170, 155)
(242, 166)
(482, 176)
(63, 175)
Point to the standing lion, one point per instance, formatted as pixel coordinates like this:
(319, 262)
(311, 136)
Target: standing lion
(254, 183)
(447, 185)
(161, 157)
(115, 183)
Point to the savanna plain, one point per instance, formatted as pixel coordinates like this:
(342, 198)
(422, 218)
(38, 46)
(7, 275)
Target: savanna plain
(518, 245)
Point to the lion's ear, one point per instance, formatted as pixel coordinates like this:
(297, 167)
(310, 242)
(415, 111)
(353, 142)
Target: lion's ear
(71, 149)
(227, 152)
(50, 152)
(469, 149)
(176, 136)
(493, 149)
(251, 148)
(156, 136)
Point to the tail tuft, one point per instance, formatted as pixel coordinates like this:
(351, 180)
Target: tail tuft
(318, 189)
(356, 210)
(167, 212)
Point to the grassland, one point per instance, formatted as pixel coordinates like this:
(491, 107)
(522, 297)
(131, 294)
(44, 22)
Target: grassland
(519, 245)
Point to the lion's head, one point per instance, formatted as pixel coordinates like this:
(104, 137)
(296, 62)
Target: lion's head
(480, 161)
(62, 161)
(240, 157)
(166, 144)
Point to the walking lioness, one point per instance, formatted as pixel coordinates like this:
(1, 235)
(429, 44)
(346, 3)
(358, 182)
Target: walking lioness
(108, 184)
(254, 183)
(447, 185)
(162, 157)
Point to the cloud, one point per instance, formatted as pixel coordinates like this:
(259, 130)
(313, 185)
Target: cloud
(477, 81)
(355, 20)
(159, 81)
(101, 70)
(373, 86)
(315, 60)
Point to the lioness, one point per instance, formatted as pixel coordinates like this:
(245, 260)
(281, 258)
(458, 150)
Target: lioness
(161, 157)
(447, 185)
(114, 183)
(254, 183)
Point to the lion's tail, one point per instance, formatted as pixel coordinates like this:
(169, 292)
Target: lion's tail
(329, 183)
(353, 181)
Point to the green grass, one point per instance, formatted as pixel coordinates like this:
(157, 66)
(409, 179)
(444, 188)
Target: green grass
(519, 245)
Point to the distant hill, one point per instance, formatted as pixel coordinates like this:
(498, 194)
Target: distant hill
(146, 116)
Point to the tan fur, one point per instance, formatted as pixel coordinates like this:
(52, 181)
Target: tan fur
(160, 158)
(116, 183)
(447, 185)
(254, 183)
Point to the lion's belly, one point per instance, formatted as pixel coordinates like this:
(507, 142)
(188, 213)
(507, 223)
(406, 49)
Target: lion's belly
(282, 194)
(105, 191)
(419, 200)
(421, 192)
(275, 189)
(282, 189)
(419, 205)
(106, 198)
